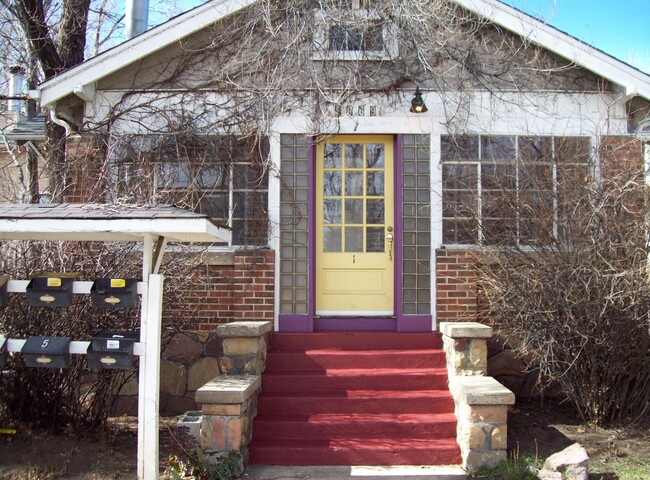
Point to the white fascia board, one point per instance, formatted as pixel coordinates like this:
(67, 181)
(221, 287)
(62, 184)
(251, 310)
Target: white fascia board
(127, 230)
(632, 80)
(137, 48)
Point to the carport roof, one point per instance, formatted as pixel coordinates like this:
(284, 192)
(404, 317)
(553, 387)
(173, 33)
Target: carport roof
(106, 222)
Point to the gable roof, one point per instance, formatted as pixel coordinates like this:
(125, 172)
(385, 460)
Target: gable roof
(81, 79)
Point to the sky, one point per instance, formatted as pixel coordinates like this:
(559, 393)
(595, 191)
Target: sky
(620, 28)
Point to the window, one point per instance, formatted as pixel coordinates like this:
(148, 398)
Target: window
(509, 190)
(221, 176)
(353, 32)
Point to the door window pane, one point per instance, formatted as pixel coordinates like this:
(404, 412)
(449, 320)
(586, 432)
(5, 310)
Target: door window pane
(332, 155)
(332, 239)
(375, 212)
(374, 184)
(354, 184)
(353, 211)
(332, 184)
(375, 239)
(375, 155)
(353, 155)
(354, 239)
(331, 211)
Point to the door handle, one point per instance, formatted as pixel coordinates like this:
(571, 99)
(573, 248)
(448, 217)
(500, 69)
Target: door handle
(389, 239)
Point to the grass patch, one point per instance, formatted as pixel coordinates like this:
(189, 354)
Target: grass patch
(515, 468)
(627, 468)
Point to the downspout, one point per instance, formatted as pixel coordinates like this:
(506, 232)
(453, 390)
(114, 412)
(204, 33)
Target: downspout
(60, 122)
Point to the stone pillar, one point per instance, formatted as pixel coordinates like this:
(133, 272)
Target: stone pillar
(244, 347)
(481, 401)
(465, 344)
(228, 405)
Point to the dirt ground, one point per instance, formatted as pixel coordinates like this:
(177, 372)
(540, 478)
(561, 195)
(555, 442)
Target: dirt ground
(534, 430)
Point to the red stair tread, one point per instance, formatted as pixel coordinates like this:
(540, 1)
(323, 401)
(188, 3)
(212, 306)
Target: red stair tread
(319, 359)
(355, 340)
(361, 372)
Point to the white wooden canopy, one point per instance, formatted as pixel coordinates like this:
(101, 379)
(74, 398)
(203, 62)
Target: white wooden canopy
(154, 226)
(106, 222)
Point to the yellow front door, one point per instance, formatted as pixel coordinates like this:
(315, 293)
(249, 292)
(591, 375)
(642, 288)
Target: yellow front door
(354, 219)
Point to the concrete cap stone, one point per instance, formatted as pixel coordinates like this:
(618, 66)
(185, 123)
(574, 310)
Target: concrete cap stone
(228, 389)
(244, 329)
(465, 330)
(483, 391)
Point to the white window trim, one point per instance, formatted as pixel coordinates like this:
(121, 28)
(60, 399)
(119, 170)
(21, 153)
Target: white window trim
(324, 20)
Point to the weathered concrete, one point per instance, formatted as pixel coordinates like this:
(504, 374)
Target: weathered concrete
(482, 391)
(229, 389)
(406, 472)
(465, 330)
(244, 329)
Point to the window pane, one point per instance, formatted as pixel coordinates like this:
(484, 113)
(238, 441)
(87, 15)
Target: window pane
(459, 176)
(353, 211)
(332, 155)
(331, 211)
(353, 155)
(354, 184)
(375, 212)
(354, 239)
(375, 155)
(332, 239)
(497, 148)
(375, 184)
(459, 147)
(332, 184)
(375, 239)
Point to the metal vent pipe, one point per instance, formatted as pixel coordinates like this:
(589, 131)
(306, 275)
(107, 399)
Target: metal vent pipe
(136, 18)
(16, 83)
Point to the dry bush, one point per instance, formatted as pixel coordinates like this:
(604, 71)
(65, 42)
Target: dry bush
(577, 301)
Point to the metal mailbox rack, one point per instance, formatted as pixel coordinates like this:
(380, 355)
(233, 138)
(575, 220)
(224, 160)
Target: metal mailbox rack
(153, 226)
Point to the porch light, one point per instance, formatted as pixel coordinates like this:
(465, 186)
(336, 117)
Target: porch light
(417, 104)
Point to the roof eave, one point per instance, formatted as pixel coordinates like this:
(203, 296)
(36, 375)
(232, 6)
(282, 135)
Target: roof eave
(83, 77)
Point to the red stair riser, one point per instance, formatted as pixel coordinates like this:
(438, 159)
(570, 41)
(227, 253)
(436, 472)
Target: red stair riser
(318, 360)
(282, 454)
(274, 427)
(298, 382)
(307, 406)
(355, 341)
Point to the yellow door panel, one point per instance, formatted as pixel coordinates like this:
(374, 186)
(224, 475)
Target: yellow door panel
(354, 219)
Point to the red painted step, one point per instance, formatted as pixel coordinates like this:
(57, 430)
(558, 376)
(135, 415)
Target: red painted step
(352, 379)
(354, 451)
(358, 425)
(320, 359)
(355, 398)
(356, 341)
(356, 401)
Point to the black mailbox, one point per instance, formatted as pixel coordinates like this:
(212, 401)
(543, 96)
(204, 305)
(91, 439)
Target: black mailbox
(47, 352)
(114, 293)
(113, 350)
(4, 353)
(4, 279)
(50, 291)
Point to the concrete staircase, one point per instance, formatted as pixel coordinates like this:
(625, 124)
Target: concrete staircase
(355, 398)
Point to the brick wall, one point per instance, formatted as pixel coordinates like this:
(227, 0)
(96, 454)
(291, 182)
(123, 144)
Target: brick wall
(456, 294)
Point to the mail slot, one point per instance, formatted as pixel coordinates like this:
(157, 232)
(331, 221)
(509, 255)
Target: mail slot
(50, 291)
(4, 279)
(113, 350)
(4, 353)
(47, 352)
(114, 293)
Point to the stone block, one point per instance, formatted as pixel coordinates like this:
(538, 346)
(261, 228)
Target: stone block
(176, 405)
(499, 439)
(130, 387)
(183, 348)
(478, 354)
(173, 378)
(460, 345)
(243, 346)
(477, 437)
(573, 462)
(488, 413)
(213, 346)
(479, 390)
(244, 329)
(235, 434)
(465, 330)
(205, 433)
(230, 409)
(472, 460)
(202, 372)
(218, 428)
(229, 389)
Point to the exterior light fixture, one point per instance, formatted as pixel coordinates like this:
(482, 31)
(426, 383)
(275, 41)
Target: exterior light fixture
(417, 104)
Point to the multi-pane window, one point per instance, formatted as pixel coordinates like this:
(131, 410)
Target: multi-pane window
(509, 190)
(223, 177)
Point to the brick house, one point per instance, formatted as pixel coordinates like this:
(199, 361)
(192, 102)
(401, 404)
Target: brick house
(346, 204)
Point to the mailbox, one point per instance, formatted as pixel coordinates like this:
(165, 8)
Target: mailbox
(4, 279)
(4, 353)
(113, 350)
(114, 293)
(47, 352)
(50, 291)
